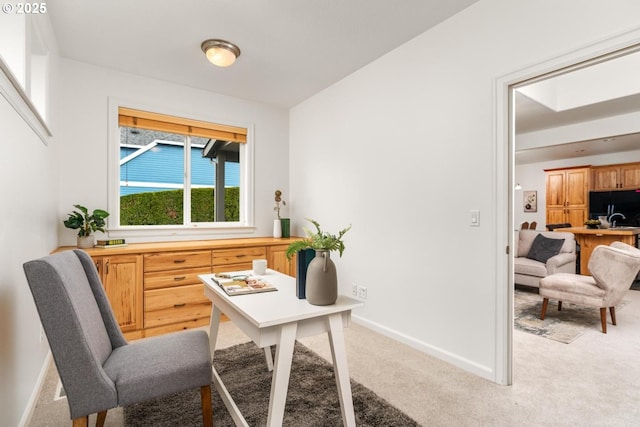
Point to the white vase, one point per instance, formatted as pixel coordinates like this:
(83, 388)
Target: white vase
(277, 228)
(603, 222)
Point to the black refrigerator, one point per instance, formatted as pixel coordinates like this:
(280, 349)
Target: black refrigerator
(625, 202)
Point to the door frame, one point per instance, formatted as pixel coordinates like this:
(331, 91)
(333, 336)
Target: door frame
(504, 149)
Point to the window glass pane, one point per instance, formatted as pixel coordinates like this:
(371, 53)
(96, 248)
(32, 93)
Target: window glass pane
(208, 159)
(151, 177)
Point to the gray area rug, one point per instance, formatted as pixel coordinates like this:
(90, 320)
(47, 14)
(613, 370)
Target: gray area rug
(563, 326)
(312, 399)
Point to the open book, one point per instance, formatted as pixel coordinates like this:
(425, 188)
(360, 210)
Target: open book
(242, 284)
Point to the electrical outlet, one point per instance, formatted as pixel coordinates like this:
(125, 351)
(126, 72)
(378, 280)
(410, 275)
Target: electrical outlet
(362, 292)
(354, 289)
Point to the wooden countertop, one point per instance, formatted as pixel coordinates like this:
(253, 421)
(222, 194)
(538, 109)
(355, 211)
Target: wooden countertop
(602, 231)
(133, 248)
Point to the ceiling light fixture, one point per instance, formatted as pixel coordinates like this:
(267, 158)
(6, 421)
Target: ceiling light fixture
(220, 52)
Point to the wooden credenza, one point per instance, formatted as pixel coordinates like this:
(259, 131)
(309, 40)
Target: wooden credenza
(154, 289)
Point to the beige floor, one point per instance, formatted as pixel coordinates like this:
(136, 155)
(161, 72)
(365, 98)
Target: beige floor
(594, 381)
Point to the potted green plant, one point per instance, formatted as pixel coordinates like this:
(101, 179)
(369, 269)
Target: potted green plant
(321, 287)
(592, 223)
(320, 240)
(86, 224)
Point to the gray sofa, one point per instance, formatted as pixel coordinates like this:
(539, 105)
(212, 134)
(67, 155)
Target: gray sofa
(528, 271)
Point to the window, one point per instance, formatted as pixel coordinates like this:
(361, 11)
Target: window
(24, 71)
(175, 172)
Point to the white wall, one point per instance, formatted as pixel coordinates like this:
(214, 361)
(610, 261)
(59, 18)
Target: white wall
(86, 90)
(404, 148)
(532, 177)
(28, 196)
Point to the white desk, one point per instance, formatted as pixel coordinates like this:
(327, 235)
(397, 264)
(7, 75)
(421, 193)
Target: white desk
(279, 318)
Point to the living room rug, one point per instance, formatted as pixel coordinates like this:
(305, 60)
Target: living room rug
(312, 398)
(563, 326)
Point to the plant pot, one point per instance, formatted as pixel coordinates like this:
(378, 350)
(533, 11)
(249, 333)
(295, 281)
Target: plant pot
(85, 242)
(285, 224)
(322, 280)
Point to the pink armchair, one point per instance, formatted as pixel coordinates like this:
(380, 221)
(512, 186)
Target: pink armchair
(614, 268)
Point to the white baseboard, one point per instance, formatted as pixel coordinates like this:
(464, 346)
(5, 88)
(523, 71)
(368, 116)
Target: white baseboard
(35, 394)
(462, 363)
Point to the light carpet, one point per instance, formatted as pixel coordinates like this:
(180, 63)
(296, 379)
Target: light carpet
(312, 398)
(563, 326)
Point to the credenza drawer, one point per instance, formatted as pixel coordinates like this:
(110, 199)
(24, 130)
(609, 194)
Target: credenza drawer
(170, 278)
(247, 265)
(237, 256)
(176, 296)
(175, 315)
(175, 304)
(176, 260)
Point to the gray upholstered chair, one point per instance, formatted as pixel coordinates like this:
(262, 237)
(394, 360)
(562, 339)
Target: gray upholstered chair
(527, 271)
(99, 370)
(613, 270)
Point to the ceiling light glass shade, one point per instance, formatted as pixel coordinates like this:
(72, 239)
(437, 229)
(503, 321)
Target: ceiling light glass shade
(220, 52)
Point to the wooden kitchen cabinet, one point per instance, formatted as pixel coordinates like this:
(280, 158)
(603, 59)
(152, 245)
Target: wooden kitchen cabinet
(567, 195)
(121, 277)
(616, 177)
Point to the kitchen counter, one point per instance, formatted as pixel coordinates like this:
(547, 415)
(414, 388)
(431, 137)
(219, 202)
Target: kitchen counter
(589, 238)
(619, 231)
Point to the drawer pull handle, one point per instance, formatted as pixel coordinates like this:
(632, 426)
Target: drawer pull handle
(179, 261)
(179, 305)
(178, 278)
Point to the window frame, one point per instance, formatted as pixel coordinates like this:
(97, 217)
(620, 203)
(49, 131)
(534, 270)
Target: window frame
(175, 232)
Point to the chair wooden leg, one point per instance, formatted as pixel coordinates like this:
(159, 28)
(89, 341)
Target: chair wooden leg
(102, 416)
(559, 305)
(603, 319)
(81, 422)
(612, 310)
(545, 303)
(207, 410)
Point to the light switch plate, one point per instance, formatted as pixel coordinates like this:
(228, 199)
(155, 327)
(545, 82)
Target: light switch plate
(474, 218)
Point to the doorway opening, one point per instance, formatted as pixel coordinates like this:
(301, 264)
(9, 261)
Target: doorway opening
(521, 147)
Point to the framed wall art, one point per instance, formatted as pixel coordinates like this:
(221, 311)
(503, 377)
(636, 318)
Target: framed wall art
(530, 201)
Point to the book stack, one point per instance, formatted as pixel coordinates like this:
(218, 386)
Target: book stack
(110, 243)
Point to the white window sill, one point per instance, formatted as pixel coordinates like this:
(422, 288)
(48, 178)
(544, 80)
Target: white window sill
(169, 233)
(13, 92)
